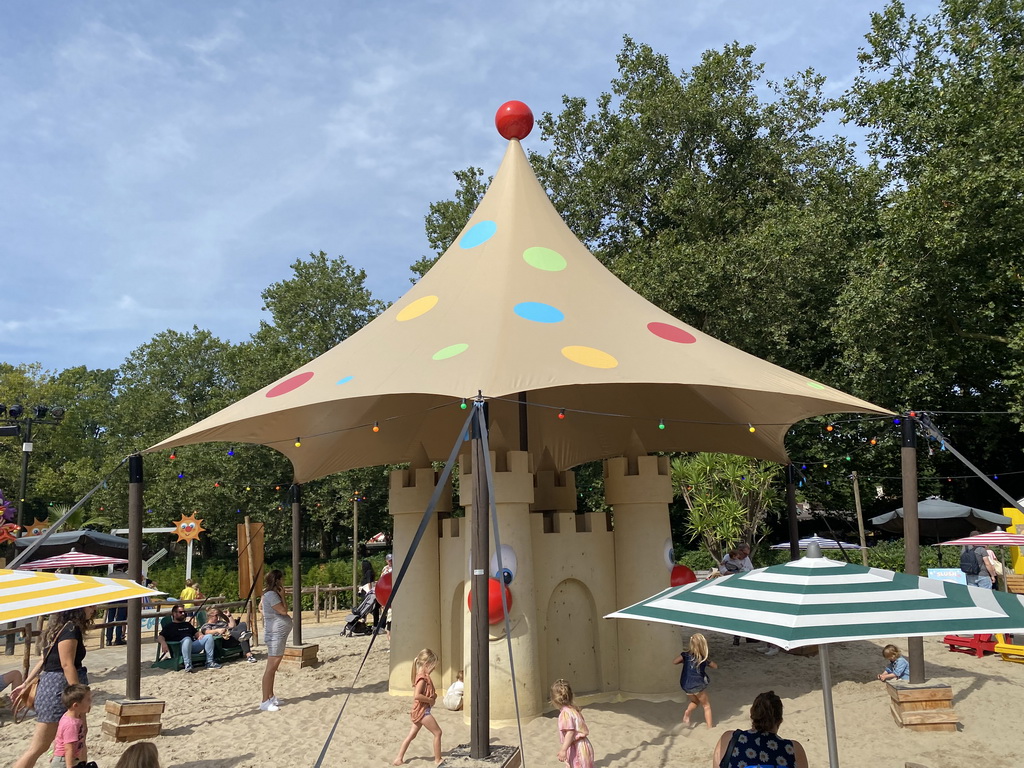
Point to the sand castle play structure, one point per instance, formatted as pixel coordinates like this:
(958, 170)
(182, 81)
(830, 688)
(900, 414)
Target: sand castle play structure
(573, 367)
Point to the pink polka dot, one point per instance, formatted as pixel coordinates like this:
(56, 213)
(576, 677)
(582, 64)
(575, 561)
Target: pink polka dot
(289, 385)
(671, 333)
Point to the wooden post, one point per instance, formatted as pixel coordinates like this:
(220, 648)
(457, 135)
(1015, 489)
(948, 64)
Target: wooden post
(355, 551)
(316, 602)
(251, 607)
(860, 520)
(480, 701)
(133, 687)
(794, 530)
(911, 534)
(296, 493)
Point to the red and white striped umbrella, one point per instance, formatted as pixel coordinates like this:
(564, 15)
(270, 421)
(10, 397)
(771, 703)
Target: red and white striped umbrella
(994, 539)
(72, 559)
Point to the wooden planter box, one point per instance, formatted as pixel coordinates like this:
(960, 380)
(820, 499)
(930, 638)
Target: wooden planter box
(922, 707)
(129, 719)
(300, 655)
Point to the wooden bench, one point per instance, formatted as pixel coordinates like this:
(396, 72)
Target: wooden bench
(1015, 583)
(922, 707)
(1009, 649)
(977, 645)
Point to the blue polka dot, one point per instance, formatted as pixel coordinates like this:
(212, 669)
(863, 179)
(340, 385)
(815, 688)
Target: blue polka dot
(478, 234)
(539, 313)
(345, 380)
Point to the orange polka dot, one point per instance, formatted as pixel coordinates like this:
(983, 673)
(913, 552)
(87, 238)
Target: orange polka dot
(416, 308)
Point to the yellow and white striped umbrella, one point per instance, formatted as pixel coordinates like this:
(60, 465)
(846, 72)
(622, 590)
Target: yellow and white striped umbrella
(26, 594)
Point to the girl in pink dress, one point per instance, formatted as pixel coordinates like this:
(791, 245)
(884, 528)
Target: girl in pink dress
(574, 749)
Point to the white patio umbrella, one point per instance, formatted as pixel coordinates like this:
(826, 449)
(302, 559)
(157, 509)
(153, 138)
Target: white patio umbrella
(822, 542)
(994, 539)
(73, 559)
(815, 600)
(27, 594)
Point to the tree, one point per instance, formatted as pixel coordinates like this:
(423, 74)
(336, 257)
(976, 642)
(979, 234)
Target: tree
(729, 497)
(930, 316)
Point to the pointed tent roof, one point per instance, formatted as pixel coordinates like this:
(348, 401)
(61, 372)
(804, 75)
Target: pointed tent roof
(518, 304)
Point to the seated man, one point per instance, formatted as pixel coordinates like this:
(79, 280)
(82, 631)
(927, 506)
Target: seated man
(182, 630)
(222, 623)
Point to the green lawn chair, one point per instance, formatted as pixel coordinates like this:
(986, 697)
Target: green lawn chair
(175, 661)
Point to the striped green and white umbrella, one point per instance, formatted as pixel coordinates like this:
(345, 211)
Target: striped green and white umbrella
(815, 600)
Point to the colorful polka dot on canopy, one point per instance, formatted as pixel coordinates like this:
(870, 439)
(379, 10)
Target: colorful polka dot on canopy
(450, 351)
(544, 258)
(478, 234)
(290, 384)
(416, 308)
(590, 357)
(539, 312)
(671, 333)
(344, 380)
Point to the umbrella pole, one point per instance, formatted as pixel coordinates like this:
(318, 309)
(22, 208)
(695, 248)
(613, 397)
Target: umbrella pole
(830, 716)
(133, 687)
(480, 683)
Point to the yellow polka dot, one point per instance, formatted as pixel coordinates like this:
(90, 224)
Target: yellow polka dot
(594, 358)
(417, 308)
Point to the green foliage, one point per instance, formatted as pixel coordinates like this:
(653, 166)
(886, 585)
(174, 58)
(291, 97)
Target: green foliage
(729, 498)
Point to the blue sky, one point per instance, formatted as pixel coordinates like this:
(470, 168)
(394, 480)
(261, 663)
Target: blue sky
(163, 163)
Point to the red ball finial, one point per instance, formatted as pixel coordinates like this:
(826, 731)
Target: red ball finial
(514, 120)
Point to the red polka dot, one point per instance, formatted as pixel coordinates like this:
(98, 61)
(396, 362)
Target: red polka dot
(289, 385)
(671, 333)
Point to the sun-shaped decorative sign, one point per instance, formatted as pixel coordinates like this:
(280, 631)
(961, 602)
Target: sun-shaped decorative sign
(188, 528)
(8, 532)
(38, 528)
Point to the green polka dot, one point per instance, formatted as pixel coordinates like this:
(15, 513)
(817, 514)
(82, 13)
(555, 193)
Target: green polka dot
(815, 385)
(544, 258)
(452, 351)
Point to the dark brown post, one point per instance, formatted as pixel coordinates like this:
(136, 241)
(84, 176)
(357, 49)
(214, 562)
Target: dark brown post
(480, 699)
(794, 530)
(911, 534)
(296, 494)
(133, 688)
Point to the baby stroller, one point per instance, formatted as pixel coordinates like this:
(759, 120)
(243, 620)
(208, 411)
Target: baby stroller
(355, 622)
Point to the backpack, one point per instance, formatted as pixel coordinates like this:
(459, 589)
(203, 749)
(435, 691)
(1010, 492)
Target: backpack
(969, 563)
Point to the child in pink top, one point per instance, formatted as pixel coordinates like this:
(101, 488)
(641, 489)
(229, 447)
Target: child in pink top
(423, 697)
(69, 744)
(575, 749)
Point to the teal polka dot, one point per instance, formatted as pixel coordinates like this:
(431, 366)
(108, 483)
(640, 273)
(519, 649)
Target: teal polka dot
(478, 234)
(345, 380)
(450, 351)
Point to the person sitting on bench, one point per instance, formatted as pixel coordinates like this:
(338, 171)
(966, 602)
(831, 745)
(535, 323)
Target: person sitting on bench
(184, 631)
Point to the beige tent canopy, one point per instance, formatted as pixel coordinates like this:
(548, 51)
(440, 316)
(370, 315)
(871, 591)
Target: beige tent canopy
(518, 305)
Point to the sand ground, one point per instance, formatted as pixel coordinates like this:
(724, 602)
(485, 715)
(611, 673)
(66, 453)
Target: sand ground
(212, 720)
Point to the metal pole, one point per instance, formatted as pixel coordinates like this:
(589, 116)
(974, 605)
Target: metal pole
(830, 717)
(133, 687)
(794, 530)
(524, 424)
(480, 682)
(860, 520)
(26, 452)
(911, 534)
(297, 563)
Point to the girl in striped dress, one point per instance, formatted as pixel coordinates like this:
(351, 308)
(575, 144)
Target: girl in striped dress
(575, 749)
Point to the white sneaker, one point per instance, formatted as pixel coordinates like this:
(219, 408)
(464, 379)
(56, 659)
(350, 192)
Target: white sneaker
(773, 651)
(277, 701)
(269, 706)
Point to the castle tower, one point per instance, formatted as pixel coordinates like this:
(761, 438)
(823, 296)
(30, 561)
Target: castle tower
(639, 489)
(417, 604)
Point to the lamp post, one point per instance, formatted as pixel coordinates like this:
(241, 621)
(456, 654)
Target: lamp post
(16, 423)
